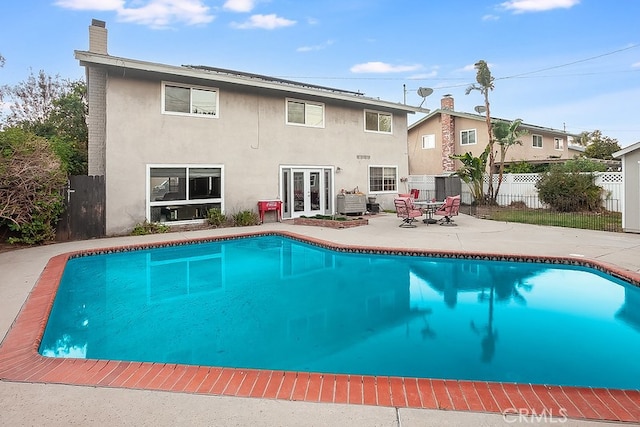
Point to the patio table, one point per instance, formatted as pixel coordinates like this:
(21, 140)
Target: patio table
(428, 207)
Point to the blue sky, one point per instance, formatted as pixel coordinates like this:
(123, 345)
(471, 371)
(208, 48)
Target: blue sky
(565, 64)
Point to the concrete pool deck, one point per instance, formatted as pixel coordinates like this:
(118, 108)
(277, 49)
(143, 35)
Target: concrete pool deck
(26, 403)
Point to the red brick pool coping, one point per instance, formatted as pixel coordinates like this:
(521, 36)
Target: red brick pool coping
(21, 362)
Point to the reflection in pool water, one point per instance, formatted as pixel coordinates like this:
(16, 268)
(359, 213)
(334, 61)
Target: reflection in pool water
(271, 302)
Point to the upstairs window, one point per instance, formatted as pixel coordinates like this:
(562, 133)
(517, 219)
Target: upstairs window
(468, 137)
(558, 143)
(536, 141)
(377, 122)
(305, 113)
(188, 100)
(428, 142)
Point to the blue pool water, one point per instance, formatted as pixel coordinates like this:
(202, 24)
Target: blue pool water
(271, 302)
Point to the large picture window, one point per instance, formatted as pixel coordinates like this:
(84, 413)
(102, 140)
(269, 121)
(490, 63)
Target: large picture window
(188, 100)
(183, 193)
(305, 113)
(383, 179)
(377, 122)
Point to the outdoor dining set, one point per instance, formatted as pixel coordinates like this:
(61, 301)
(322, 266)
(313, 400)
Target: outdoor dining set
(411, 210)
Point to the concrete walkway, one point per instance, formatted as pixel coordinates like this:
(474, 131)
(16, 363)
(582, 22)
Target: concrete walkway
(40, 404)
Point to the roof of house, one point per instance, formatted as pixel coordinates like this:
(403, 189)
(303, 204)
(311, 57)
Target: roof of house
(205, 73)
(479, 117)
(627, 150)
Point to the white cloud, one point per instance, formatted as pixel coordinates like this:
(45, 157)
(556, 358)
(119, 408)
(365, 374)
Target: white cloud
(239, 5)
(101, 5)
(154, 13)
(424, 76)
(522, 6)
(316, 47)
(382, 67)
(266, 22)
(635, 65)
(490, 18)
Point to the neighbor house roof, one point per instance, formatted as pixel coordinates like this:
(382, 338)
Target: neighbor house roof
(204, 73)
(626, 150)
(479, 117)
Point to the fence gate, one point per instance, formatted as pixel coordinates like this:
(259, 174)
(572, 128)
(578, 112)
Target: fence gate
(84, 216)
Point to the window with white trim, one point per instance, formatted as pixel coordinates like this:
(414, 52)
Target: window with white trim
(536, 141)
(375, 121)
(183, 193)
(428, 142)
(468, 137)
(305, 113)
(558, 143)
(189, 100)
(383, 179)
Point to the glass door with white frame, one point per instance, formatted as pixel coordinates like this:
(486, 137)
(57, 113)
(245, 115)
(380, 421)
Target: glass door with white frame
(307, 187)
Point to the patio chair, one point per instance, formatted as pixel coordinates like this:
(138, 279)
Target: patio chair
(449, 208)
(407, 211)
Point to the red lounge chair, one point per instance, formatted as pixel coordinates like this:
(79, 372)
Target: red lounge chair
(406, 211)
(450, 208)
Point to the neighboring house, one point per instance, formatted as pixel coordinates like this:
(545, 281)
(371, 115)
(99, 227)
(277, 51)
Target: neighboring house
(174, 142)
(445, 132)
(631, 187)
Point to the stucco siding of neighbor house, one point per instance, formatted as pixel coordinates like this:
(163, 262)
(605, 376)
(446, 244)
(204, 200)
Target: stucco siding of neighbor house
(433, 161)
(425, 159)
(249, 139)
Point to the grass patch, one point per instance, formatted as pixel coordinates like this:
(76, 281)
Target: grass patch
(605, 221)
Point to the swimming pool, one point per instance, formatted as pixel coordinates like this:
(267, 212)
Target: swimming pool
(273, 302)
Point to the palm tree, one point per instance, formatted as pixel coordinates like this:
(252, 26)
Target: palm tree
(506, 135)
(484, 84)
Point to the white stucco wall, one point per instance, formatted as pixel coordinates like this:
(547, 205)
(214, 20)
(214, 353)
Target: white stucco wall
(631, 184)
(250, 138)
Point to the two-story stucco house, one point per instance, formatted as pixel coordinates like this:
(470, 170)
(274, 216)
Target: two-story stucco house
(445, 132)
(175, 141)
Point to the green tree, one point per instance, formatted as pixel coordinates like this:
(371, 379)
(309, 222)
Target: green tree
(66, 128)
(472, 173)
(507, 134)
(31, 180)
(31, 101)
(54, 109)
(600, 147)
(484, 85)
(582, 164)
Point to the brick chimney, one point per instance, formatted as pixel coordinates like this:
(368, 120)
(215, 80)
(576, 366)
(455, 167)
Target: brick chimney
(448, 126)
(98, 37)
(96, 99)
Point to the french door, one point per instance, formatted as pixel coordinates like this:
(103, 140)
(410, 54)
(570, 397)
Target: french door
(307, 188)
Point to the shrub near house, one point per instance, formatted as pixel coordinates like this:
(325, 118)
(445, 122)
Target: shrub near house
(569, 191)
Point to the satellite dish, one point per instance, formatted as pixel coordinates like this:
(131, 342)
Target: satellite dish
(425, 91)
(480, 109)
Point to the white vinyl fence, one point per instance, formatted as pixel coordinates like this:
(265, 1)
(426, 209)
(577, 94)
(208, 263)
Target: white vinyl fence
(522, 187)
